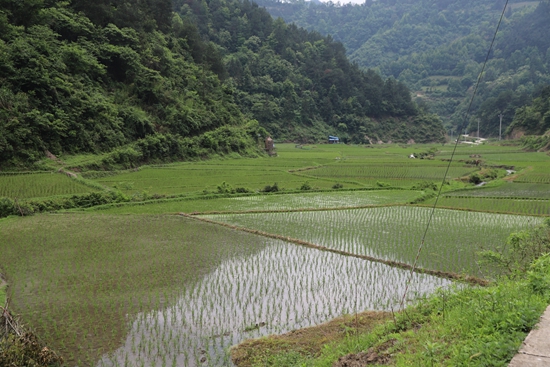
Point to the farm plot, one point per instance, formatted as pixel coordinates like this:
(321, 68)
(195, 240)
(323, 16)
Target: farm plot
(165, 290)
(395, 174)
(199, 178)
(496, 205)
(281, 288)
(507, 190)
(272, 202)
(78, 280)
(535, 174)
(394, 233)
(26, 186)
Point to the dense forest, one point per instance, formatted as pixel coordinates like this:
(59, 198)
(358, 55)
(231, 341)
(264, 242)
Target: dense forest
(534, 118)
(437, 49)
(111, 76)
(300, 85)
(139, 82)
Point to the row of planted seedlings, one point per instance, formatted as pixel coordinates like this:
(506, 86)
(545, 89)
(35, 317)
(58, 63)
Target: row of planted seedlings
(40, 185)
(394, 233)
(535, 206)
(278, 289)
(80, 280)
(404, 171)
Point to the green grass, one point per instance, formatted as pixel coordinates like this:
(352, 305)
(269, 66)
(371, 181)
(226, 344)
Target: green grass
(268, 202)
(394, 233)
(39, 185)
(3, 295)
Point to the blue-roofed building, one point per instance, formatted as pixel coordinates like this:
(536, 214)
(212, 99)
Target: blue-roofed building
(333, 139)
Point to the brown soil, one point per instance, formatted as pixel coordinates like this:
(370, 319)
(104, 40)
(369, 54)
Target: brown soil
(307, 341)
(378, 356)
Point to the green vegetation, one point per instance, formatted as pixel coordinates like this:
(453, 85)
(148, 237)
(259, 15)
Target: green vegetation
(458, 327)
(154, 287)
(80, 78)
(3, 294)
(437, 49)
(266, 203)
(450, 245)
(38, 185)
(300, 85)
(495, 205)
(533, 119)
(136, 83)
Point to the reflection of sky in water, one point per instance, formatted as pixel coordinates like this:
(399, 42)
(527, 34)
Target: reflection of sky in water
(285, 286)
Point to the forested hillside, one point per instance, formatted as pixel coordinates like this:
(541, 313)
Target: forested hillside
(533, 119)
(121, 76)
(137, 82)
(437, 49)
(300, 85)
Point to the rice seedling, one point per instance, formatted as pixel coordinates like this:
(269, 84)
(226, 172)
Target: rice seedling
(497, 205)
(314, 200)
(394, 233)
(307, 287)
(26, 186)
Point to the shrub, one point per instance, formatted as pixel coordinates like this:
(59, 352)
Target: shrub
(272, 188)
(305, 186)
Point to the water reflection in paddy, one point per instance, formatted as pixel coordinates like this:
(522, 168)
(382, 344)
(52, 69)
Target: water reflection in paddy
(281, 288)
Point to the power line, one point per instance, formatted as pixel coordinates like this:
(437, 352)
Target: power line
(401, 304)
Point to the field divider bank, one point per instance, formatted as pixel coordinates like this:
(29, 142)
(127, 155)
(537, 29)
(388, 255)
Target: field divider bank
(397, 264)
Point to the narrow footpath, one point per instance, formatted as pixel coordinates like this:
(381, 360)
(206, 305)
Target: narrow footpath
(535, 350)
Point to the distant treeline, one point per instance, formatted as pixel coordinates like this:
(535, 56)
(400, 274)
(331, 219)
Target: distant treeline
(437, 48)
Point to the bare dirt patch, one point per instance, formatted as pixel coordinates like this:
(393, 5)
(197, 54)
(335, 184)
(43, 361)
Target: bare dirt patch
(374, 356)
(307, 341)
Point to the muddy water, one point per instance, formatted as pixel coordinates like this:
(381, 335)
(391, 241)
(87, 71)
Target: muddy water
(280, 288)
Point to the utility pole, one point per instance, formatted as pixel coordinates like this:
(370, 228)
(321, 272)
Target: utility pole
(478, 128)
(500, 128)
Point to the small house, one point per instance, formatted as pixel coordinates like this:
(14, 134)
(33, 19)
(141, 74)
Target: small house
(333, 139)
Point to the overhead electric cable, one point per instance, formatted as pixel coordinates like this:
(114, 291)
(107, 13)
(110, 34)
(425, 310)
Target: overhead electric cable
(401, 304)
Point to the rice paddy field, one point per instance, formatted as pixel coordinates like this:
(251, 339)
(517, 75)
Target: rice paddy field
(37, 185)
(138, 284)
(268, 203)
(394, 233)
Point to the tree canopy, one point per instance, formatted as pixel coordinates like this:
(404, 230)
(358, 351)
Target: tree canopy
(93, 77)
(299, 84)
(437, 49)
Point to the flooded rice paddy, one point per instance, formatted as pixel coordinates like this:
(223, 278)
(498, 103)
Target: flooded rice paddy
(394, 233)
(280, 288)
(163, 290)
